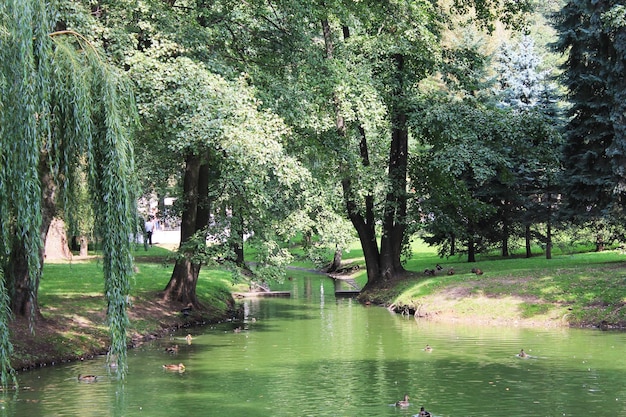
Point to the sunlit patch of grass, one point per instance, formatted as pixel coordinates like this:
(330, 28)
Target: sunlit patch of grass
(528, 310)
(587, 283)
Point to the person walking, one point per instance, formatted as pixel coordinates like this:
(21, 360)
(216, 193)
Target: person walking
(149, 228)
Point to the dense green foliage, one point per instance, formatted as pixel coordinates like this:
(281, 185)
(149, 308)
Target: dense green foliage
(64, 112)
(593, 35)
(275, 119)
(491, 155)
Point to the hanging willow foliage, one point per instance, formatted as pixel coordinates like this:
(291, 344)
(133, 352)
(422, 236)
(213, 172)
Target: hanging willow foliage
(19, 154)
(62, 103)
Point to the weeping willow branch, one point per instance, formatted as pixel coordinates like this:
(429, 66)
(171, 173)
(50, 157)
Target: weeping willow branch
(81, 39)
(19, 144)
(75, 115)
(6, 349)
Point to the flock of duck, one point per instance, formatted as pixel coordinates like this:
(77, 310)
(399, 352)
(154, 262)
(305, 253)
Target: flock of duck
(180, 367)
(438, 268)
(404, 403)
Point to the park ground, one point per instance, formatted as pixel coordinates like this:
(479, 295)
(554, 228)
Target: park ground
(572, 289)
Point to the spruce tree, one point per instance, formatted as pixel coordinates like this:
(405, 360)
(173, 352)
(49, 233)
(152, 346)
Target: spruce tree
(522, 83)
(593, 35)
(526, 89)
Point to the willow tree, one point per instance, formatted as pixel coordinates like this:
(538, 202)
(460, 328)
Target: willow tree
(64, 113)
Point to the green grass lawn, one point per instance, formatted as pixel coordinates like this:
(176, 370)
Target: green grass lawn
(591, 286)
(71, 299)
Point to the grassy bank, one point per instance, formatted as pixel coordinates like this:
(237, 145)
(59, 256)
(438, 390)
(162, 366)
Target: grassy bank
(73, 323)
(582, 289)
(577, 289)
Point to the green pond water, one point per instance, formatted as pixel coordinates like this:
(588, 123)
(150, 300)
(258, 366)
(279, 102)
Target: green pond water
(315, 355)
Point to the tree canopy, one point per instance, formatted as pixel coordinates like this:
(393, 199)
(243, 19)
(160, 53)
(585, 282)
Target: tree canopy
(270, 119)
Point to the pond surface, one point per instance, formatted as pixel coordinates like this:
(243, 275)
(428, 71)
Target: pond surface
(314, 355)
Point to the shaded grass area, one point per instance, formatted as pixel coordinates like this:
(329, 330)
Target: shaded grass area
(73, 324)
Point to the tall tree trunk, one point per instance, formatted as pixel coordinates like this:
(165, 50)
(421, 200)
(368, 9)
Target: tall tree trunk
(505, 241)
(204, 202)
(527, 237)
(549, 241)
(549, 228)
(236, 236)
(394, 216)
(471, 250)
(452, 245)
(182, 284)
(384, 264)
(363, 223)
(25, 283)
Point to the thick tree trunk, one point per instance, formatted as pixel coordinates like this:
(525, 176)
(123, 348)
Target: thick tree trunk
(366, 232)
(25, 283)
(394, 216)
(384, 264)
(23, 294)
(204, 203)
(182, 285)
(364, 224)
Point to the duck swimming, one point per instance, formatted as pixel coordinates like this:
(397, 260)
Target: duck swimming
(404, 402)
(172, 349)
(428, 348)
(423, 413)
(180, 367)
(522, 354)
(189, 338)
(87, 378)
